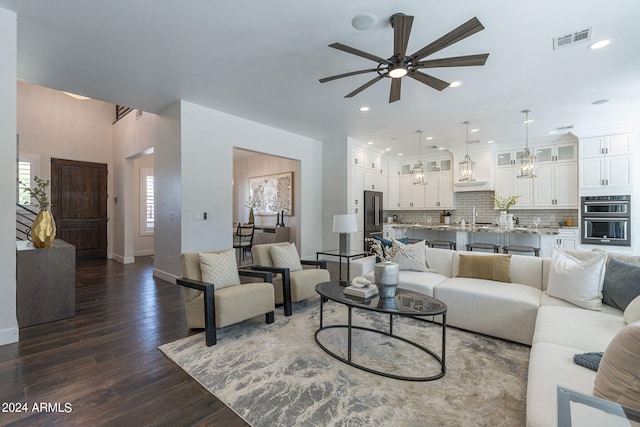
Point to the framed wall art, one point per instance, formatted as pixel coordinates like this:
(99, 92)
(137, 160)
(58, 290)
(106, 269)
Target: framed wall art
(272, 194)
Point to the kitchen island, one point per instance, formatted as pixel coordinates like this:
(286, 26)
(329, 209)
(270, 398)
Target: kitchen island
(545, 238)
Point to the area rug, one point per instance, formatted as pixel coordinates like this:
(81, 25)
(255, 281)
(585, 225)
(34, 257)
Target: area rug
(276, 375)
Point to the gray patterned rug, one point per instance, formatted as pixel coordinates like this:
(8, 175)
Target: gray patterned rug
(276, 375)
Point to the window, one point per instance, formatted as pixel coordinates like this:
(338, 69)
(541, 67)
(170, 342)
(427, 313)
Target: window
(147, 207)
(27, 167)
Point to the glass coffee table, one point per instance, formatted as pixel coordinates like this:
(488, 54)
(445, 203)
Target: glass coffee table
(405, 303)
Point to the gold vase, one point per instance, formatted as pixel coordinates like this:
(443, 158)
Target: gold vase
(251, 217)
(44, 230)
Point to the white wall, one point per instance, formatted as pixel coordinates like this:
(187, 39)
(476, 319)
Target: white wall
(336, 166)
(8, 66)
(52, 124)
(207, 141)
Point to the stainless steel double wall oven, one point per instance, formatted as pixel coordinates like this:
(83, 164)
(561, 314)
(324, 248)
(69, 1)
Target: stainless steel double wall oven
(606, 220)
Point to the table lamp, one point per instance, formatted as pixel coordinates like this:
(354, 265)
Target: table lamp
(345, 224)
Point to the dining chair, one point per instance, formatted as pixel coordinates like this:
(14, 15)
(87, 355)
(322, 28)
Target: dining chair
(243, 241)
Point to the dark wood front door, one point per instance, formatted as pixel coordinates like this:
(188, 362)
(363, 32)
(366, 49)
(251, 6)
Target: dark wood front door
(79, 206)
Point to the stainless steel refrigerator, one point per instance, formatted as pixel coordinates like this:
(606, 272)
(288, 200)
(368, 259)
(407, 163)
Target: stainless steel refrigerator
(373, 219)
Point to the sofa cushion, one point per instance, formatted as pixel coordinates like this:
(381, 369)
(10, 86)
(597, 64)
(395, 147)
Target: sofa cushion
(410, 257)
(576, 281)
(621, 283)
(503, 310)
(618, 378)
(285, 257)
(219, 268)
(491, 267)
(547, 299)
(632, 312)
(551, 365)
(576, 327)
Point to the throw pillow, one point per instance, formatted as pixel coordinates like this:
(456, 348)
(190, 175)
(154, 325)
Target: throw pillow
(575, 281)
(618, 377)
(632, 312)
(409, 257)
(285, 256)
(630, 259)
(621, 283)
(219, 268)
(385, 244)
(488, 267)
(588, 360)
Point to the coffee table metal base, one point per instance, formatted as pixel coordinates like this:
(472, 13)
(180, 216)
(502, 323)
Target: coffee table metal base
(349, 326)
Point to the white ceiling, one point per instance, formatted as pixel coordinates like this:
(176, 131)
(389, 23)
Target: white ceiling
(262, 60)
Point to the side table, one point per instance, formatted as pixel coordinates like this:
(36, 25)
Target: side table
(347, 255)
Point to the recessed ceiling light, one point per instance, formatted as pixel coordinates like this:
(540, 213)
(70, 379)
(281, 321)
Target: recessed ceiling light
(364, 108)
(400, 154)
(455, 84)
(429, 138)
(80, 97)
(553, 132)
(600, 101)
(370, 143)
(527, 121)
(387, 149)
(474, 130)
(440, 148)
(490, 141)
(364, 21)
(600, 44)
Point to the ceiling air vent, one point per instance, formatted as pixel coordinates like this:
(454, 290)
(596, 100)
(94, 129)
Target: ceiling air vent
(570, 39)
(561, 128)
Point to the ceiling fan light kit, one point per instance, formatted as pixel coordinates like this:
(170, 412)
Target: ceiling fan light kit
(466, 166)
(527, 160)
(400, 64)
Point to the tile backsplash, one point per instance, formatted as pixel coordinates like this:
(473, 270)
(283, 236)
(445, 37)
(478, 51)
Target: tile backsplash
(483, 203)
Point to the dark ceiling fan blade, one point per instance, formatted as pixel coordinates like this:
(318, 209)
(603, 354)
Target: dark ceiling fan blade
(353, 73)
(364, 86)
(357, 52)
(401, 24)
(394, 94)
(465, 30)
(434, 82)
(456, 61)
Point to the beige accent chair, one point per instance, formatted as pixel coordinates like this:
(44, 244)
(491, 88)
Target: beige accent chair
(290, 286)
(210, 309)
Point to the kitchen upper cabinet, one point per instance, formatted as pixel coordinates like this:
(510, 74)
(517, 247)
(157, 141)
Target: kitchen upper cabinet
(411, 196)
(373, 161)
(372, 179)
(557, 183)
(357, 157)
(357, 186)
(442, 165)
(605, 162)
(439, 190)
(507, 183)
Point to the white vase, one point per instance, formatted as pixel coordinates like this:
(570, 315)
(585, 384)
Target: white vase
(503, 219)
(509, 222)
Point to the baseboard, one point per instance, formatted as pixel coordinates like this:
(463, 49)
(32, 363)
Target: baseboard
(145, 252)
(9, 336)
(164, 276)
(124, 260)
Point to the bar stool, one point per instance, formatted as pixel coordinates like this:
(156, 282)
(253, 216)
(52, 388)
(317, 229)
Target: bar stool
(516, 248)
(442, 244)
(490, 246)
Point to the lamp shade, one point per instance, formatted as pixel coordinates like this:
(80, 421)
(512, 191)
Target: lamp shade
(345, 223)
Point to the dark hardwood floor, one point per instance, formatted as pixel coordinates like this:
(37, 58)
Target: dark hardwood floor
(103, 367)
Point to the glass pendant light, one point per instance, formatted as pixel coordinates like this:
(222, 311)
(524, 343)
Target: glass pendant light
(466, 166)
(527, 160)
(418, 168)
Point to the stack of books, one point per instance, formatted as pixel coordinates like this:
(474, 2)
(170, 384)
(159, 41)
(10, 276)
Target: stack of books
(361, 293)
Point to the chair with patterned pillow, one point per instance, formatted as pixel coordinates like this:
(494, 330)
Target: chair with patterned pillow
(292, 283)
(214, 297)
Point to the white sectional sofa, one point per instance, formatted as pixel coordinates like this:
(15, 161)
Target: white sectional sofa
(520, 311)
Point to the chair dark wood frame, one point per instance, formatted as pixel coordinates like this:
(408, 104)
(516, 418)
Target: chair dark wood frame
(286, 280)
(209, 298)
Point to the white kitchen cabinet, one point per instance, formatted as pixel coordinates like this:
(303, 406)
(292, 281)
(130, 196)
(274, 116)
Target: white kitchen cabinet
(372, 179)
(411, 196)
(357, 157)
(357, 186)
(557, 183)
(392, 196)
(441, 165)
(372, 161)
(566, 239)
(507, 184)
(605, 162)
(439, 190)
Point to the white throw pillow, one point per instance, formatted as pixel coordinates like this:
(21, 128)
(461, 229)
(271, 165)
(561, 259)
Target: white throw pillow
(578, 282)
(410, 257)
(219, 268)
(632, 312)
(285, 256)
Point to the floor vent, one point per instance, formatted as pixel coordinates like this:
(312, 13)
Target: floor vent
(570, 39)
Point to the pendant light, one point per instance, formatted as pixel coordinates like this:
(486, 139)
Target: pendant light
(418, 168)
(466, 166)
(526, 160)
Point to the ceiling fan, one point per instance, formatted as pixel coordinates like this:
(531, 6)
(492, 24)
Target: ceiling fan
(401, 64)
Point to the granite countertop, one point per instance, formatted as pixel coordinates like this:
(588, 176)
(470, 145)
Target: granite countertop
(480, 228)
